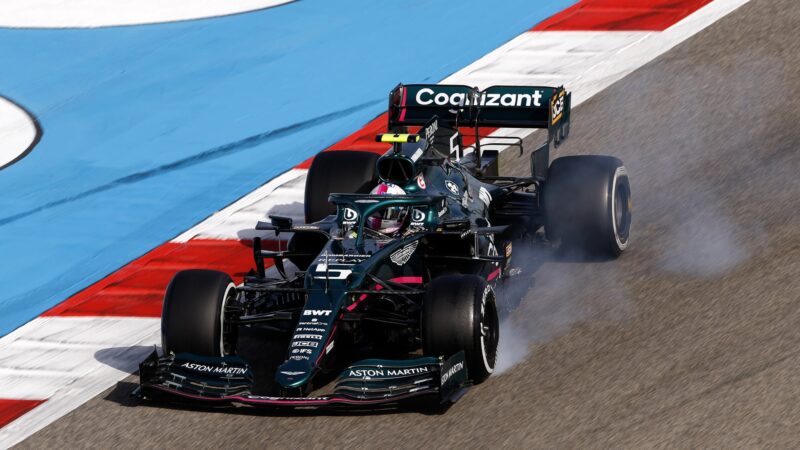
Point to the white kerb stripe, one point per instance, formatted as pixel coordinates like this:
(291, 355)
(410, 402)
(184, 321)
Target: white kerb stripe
(68, 360)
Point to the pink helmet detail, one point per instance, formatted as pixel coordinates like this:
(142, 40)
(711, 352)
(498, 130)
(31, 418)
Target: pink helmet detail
(391, 219)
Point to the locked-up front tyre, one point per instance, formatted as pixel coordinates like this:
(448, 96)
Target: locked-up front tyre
(459, 313)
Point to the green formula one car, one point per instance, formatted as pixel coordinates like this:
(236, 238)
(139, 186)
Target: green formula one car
(387, 293)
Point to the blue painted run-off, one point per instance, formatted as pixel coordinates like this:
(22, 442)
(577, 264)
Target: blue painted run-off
(145, 128)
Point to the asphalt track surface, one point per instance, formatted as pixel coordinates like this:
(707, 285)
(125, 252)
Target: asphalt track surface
(689, 340)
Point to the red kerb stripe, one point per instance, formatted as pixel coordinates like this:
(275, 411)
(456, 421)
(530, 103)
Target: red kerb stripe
(11, 409)
(137, 289)
(621, 15)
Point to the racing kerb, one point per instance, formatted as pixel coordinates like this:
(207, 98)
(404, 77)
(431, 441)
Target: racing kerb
(82, 346)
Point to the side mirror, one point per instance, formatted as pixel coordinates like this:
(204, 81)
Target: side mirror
(282, 223)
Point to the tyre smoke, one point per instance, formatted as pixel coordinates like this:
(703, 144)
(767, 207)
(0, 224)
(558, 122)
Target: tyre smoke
(552, 298)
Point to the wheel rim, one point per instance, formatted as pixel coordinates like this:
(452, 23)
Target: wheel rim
(490, 334)
(226, 328)
(622, 211)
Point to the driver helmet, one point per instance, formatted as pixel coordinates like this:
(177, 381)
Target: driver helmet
(388, 220)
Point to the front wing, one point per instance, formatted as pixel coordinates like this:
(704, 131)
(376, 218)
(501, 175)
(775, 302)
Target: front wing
(368, 383)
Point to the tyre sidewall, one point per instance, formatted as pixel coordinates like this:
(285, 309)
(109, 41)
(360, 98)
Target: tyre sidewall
(192, 317)
(579, 198)
(451, 322)
(620, 238)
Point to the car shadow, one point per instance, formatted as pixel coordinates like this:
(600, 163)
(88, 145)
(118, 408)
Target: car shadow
(125, 359)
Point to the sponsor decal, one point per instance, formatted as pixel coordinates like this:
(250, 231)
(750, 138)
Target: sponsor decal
(291, 373)
(317, 312)
(485, 196)
(261, 397)
(421, 181)
(299, 358)
(366, 373)
(402, 256)
(305, 227)
(366, 201)
(492, 249)
(406, 371)
(417, 218)
(308, 336)
(430, 132)
(427, 96)
(301, 351)
(457, 367)
(216, 370)
(452, 187)
(557, 107)
(342, 258)
(350, 216)
(329, 348)
(369, 373)
(416, 155)
(311, 329)
(305, 344)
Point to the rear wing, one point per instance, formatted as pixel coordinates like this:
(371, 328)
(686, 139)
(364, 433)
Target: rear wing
(496, 106)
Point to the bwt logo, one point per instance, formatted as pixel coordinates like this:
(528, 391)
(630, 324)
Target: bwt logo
(417, 215)
(317, 312)
(350, 214)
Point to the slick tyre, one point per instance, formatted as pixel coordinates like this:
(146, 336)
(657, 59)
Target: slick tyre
(459, 313)
(193, 316)
(337, 172)
(587, 201)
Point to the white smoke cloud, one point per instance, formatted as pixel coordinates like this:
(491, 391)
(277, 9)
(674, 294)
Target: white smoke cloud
(554, 298)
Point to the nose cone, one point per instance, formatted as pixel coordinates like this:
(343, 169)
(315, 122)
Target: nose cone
(294, 373)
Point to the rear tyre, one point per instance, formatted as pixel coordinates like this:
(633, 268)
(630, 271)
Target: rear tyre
(341, 171)
(193, 316)
(587, 202)
(459, 313)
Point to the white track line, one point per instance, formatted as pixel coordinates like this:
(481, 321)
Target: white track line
(17, 131)
(107, 13)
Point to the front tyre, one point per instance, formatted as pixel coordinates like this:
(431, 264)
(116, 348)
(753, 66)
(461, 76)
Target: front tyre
(193, 316)
(460, 313)
(587, 202)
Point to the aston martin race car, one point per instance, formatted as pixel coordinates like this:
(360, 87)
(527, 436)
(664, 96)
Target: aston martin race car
(387, 293)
